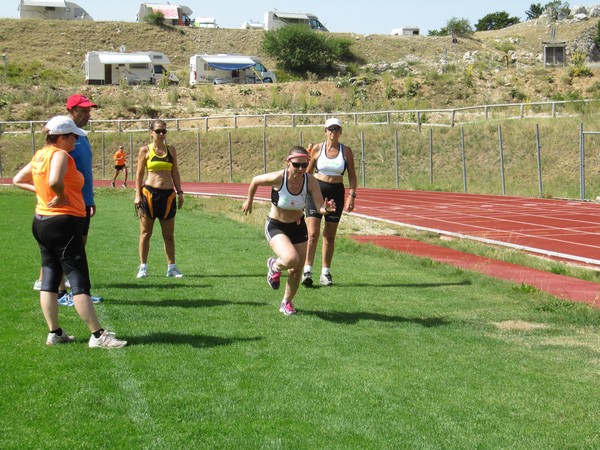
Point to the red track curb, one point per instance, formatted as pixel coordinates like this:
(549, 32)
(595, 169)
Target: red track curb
(560, 286)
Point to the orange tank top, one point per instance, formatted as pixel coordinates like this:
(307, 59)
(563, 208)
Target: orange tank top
(73, 181)
(119, 158)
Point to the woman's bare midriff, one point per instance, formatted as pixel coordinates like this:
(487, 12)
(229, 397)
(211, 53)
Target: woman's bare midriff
(329, 179)
(285, 215)
(161, 179)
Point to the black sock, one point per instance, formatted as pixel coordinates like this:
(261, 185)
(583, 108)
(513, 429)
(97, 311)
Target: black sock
(58, 331)
(98, 333)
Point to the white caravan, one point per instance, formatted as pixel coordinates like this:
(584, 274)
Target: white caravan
(227, 68)
(277, 19)
(52, 9)
(129, 68)
(174, 14)
(204, 22)
(253, 25)
(405, 31)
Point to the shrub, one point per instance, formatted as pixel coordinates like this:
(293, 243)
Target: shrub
(298, 49)
(155, 18)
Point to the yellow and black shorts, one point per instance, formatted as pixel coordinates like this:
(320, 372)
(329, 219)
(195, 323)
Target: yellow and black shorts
(158, 203)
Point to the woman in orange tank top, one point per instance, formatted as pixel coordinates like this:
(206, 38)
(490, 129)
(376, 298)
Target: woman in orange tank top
(57, 226)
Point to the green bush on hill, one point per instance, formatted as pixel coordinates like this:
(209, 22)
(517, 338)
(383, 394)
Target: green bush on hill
(298, 49)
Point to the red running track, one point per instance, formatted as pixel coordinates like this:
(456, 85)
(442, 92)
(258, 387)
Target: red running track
(563, 229)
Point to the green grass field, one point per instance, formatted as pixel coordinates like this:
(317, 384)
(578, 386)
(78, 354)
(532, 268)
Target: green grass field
(400, 353)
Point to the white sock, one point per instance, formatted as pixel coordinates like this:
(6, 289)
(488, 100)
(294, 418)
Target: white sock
(324, 270)
(142, 266)
(307, 268)
(171, 266)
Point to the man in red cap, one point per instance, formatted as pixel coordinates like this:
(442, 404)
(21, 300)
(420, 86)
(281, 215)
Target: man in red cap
(79, 109)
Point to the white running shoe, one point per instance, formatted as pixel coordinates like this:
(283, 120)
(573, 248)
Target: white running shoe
(107, 340)
(54, 339)
(326, 280)
(37, 286)
(142, 272)
(174, 273)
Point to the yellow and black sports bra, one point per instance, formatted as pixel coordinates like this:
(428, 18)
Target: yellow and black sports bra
(155, 162)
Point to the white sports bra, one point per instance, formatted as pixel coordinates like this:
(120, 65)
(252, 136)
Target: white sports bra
(331, 167)
(284, 199)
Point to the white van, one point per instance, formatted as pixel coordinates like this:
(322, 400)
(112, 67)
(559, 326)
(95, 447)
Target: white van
(130, 68)
(228, 68)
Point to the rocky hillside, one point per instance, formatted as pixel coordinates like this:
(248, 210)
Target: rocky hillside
(45, 65)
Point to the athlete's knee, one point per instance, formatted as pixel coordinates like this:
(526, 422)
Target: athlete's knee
(290, 261)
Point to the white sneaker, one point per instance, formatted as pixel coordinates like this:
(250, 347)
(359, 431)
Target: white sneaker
(37, 286)
(54, 339)
(174, 273)
(107, 340)
(142, 272)
(326, 280)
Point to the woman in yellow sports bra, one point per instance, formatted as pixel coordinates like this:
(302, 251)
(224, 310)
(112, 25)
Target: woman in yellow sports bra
(158, 197)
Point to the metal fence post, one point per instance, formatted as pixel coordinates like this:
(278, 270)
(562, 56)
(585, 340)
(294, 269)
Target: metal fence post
(230, 157)
(431, 156)
(464, 159)
(32, 138)
(103, 157)
(264, 151)
(198, 154)
(397, 158)
(539, 158)
(581, 163)
(131, 171)
(501, 160)
(362, 141)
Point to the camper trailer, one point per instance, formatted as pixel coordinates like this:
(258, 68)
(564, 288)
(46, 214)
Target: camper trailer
(129, 68)
(222, 69)
(253, 25)
(174, 14)
(205, 22)
(405, 31)
(52, 9)
(278, 19)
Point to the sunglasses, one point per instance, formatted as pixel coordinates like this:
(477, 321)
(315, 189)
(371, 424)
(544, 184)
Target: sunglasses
(66, 135)
(160, 131)
(334, 129)
(298, 165)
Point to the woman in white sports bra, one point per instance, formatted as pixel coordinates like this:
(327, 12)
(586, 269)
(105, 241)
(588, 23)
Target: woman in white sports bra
(285, 228)
(329, 161)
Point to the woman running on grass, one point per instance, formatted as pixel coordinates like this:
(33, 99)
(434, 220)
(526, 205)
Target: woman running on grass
(285, 227)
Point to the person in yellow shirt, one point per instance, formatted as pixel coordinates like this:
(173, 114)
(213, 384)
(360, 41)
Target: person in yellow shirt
(120, 158)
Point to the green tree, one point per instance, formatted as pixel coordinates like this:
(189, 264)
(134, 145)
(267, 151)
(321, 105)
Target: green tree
(298, 49)
(496, 21)
(534, 11)
(459, 27)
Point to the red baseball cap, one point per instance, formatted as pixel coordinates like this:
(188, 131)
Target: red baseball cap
(79, 100)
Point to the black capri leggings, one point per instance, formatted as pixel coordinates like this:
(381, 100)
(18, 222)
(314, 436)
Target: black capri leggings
(62, 250)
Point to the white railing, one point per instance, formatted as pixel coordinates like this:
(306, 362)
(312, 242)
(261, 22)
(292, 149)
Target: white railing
(414, 117)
